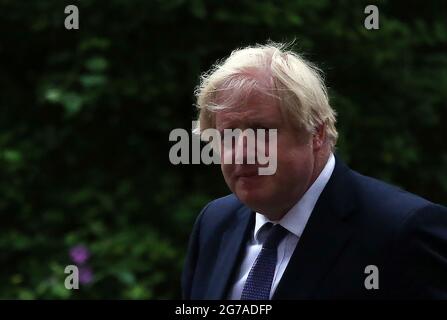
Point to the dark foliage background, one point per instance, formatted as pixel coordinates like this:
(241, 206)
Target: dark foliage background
(86, 115)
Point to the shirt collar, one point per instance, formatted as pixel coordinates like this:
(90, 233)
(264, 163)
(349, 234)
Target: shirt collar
(296, 218)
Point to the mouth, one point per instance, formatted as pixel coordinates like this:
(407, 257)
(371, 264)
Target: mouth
(246, 173)
(248, 177)
(249, 174)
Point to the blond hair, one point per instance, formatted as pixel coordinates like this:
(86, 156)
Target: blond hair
(270, 69)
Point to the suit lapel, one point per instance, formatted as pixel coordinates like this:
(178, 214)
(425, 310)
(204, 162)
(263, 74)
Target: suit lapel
(323, 238)
(231, 248)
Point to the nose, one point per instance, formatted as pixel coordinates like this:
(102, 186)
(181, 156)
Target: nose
(246, 147)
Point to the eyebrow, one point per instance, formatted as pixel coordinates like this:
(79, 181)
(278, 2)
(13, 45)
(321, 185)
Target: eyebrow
(250, 124)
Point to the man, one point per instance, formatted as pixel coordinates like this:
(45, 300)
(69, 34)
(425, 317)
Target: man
(314, 229)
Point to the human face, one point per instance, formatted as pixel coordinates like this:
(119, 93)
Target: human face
(271, 195)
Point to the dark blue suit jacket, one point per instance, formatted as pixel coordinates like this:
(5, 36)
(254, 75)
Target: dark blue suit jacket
(357, 221)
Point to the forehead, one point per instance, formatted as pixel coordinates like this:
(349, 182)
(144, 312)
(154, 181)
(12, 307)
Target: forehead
(257, 108)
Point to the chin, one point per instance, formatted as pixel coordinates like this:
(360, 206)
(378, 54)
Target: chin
(253, 198)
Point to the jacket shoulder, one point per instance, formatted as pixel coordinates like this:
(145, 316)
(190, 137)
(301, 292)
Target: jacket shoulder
(220, 211)
(380, 192)
(385, 203)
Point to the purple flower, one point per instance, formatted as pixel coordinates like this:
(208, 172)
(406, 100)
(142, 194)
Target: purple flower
(85, 275)
(79, 254)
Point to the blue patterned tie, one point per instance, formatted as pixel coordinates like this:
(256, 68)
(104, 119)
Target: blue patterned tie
(259, 280)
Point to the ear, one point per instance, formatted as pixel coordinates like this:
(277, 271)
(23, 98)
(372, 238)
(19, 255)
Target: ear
(319, 137)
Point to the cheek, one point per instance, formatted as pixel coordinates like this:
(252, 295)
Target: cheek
(226, 156)
(295, 161)
(226, 171)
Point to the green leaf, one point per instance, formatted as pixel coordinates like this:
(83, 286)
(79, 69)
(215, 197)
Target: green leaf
(96, 64)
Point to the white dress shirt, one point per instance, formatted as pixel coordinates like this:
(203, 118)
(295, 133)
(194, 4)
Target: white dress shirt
(294, 221)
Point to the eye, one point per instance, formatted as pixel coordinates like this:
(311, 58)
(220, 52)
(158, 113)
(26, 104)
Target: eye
(255, 128)
(222, 131)
(227, 131)
(263, 128)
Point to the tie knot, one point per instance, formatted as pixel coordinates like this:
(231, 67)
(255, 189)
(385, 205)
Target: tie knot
(274, 237)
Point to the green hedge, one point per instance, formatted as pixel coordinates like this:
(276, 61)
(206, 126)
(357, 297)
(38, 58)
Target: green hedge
(86, 114)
